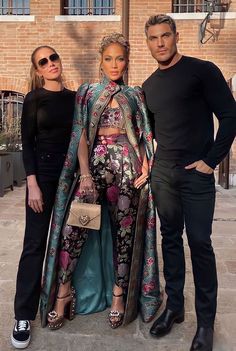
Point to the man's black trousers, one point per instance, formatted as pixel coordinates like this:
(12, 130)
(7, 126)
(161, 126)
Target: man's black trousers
(187, 198)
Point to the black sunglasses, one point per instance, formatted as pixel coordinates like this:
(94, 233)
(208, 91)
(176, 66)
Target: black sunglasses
(44, 61)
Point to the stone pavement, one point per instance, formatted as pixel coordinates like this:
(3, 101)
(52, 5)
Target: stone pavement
(92, 333)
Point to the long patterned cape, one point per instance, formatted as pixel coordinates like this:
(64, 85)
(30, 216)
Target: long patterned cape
(144, 289)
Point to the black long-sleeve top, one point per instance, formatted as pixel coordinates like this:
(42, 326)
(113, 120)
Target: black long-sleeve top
(45, 125)
(182, 100)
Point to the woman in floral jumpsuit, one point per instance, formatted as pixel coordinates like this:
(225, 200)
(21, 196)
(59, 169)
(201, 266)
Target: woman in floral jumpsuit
(115, 151)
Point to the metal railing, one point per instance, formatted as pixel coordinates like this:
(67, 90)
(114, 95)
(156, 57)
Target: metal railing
(10, 110)
(88, 7)
(183, 6)
(14, 7)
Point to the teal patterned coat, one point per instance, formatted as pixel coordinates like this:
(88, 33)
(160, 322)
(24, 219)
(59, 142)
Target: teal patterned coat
(144, 289)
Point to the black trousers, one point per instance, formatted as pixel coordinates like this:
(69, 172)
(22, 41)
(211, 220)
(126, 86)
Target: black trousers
(29, 275)
(187, 198)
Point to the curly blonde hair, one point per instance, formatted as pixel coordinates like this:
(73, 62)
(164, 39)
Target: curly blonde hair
(114, 38)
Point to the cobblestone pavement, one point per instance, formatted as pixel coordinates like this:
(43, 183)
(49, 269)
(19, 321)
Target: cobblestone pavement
(92, 333)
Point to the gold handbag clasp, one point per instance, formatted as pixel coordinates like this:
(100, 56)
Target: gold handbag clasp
(84, 219)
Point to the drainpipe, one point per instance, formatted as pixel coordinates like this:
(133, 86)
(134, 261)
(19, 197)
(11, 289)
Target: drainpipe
(125, 27)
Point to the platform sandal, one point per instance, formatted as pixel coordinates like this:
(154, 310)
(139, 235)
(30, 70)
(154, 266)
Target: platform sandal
(115, 317)
(56, 322)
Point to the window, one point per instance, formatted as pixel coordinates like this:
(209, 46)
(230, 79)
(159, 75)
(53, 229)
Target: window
(14, 7)
(11, 104)
(182, 6)
(88, 7)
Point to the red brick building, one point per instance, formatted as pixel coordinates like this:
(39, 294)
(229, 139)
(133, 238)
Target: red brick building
(75, 27)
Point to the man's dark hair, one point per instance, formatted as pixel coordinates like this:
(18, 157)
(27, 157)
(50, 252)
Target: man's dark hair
(158, 19)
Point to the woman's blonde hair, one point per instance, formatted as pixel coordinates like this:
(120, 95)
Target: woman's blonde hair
(113, 38)
(36, 81)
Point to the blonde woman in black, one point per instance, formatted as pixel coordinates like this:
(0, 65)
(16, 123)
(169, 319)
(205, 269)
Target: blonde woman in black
(46, 127)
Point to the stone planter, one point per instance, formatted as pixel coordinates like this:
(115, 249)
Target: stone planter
(18, 167)
(6, 172)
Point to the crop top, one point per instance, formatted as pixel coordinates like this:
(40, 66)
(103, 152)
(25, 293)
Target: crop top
(112, 118)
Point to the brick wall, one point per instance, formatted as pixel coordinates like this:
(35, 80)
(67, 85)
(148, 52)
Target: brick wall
(222, 52)
(77, 43)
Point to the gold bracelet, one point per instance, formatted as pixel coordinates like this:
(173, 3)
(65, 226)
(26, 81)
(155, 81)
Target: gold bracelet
(85, 176)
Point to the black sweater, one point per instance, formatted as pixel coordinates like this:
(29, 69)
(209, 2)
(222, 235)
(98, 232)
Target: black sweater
(181, 101)
(45, 124)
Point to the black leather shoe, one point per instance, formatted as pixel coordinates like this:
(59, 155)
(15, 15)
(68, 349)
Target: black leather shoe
(164, 323)
(203, 340)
